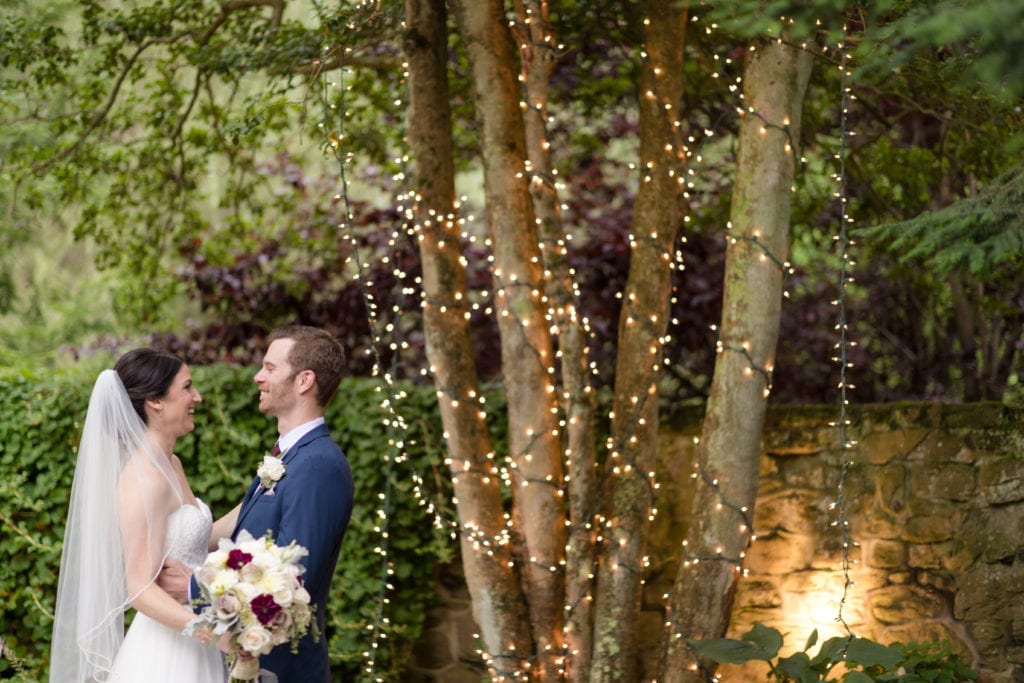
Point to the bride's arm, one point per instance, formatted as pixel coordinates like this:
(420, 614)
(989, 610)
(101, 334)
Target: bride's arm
(156, 604)
(145, 501)
(223, 527)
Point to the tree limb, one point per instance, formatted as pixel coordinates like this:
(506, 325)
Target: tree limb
(335, 59)
(100, 115)
(227, 8)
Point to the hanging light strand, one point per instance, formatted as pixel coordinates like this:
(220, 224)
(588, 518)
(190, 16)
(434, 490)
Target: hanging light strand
(844, 344)
(395, 425)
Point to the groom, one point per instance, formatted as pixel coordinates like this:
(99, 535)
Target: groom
(312, 502)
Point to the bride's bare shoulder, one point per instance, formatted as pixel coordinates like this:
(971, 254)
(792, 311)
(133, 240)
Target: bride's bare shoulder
(144, 479)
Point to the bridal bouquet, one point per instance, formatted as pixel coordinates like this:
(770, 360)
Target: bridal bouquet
(251, 588)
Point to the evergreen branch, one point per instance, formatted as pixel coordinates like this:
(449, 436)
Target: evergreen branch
(976, 234)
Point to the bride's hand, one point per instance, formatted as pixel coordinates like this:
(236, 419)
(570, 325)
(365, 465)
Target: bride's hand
(204, 636)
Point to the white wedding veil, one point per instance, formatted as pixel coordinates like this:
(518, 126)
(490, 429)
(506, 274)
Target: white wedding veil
(123, 491)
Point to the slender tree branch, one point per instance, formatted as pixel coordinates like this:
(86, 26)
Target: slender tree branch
(227, 8)
(335, 59)
(176, 134)
(231, 6)
(99, 117)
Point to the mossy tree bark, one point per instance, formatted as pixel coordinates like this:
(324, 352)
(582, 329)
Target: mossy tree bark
(774, 84)
(657, 218)
(538, 520)
(538, 56)
(498, 603)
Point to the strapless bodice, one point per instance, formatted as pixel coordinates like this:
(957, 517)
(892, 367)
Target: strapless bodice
(188, 533)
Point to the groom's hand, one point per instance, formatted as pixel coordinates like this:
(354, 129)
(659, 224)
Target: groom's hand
(174, 578)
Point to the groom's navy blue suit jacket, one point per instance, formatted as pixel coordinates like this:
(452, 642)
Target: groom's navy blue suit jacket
(311, 505)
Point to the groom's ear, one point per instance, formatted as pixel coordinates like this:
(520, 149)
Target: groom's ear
(307, 381)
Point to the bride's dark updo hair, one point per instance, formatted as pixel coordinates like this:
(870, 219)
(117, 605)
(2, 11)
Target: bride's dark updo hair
(145, 374)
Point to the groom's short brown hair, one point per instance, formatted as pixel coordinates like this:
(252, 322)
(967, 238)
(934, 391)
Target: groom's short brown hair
(315, 350)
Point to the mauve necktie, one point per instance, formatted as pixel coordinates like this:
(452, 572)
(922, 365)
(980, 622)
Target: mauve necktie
(276, 450)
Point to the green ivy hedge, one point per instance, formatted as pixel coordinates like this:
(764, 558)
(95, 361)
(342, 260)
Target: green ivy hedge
(40, 421)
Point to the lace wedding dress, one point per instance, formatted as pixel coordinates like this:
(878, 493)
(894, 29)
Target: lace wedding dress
(154, 653)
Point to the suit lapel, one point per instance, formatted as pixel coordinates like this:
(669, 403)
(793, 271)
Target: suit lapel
(247, 501)
(291, 453)
(253, 493)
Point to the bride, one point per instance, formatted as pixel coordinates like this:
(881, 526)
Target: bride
(131, 510)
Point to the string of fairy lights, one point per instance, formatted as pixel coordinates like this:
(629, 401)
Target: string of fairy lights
(501, 540)
(688, 154)
(619, 458)
(333, 128)
(842, 347)
(539, 49)
(742, 347)
(844, 343)
(394, 421)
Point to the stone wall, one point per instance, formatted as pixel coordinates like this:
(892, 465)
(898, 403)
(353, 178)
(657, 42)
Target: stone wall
(935, 504)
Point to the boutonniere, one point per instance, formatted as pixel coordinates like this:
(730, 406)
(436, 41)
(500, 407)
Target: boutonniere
(270, 472)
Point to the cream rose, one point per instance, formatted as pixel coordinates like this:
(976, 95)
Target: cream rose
(256, 640)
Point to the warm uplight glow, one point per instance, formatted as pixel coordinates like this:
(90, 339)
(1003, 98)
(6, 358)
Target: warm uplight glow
(808, 610)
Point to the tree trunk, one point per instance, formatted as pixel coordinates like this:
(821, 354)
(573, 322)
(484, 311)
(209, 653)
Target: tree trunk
(538, 511)
(720, 531)
(537, 52)
(657, 218)
(498, 603)
(967, 333)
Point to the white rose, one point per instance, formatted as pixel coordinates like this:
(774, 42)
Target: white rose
(264, 559)
(292, 572)
(245, 591)
(251, 573)
(284, 595)
(255, 640)
(279, 626)
(270, 471)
